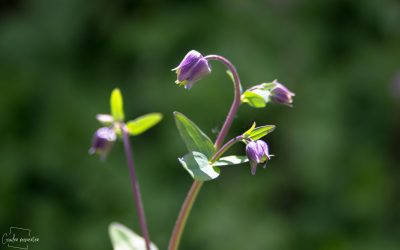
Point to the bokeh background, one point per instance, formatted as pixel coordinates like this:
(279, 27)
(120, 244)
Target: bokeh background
(333, 184)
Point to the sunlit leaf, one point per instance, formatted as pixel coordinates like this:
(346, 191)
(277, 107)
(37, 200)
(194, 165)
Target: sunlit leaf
(194, 138)
(198, 166)
(230, 160)
(122, 238)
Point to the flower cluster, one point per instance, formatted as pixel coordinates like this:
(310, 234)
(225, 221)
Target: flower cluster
(258, 96)
(195, 66)
(113, 125)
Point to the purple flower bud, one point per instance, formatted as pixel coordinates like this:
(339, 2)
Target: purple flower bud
(102, 142)
(257, 152)
(192, 68)
(281, 95)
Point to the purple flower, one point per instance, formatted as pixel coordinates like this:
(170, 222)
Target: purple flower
(257, 152)
(102, 142)
(281, 95)
(192, 68)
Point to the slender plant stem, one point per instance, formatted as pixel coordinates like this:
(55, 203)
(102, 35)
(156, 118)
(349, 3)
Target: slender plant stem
(135, 187)
(183, 215)
(196, 186)
(236, 100)
(224, 148)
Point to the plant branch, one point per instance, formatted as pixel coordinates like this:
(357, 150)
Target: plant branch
(224, 148)
(196, 186)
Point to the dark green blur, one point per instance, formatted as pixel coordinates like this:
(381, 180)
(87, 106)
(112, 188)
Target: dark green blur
(335, 180)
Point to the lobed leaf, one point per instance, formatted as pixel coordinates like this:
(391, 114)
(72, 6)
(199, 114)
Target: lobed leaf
(198, 166)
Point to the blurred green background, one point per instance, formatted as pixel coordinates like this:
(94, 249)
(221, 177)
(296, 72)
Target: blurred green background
(335, 180)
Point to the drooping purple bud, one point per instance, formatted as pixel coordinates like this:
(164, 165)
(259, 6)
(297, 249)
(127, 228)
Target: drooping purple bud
(257, 152)
(281, 95)
(102, 142)
(192, 68)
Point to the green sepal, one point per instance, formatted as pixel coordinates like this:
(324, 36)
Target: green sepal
(117, 106)
(259, 132)
(143, 123)
(248, 132)
(198, 166)
(252, 99)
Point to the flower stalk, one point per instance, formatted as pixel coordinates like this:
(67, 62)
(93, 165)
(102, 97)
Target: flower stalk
(224, 148)
(236, 100)
(135, 186)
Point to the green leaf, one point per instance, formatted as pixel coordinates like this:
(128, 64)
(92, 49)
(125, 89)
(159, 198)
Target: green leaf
(253, 99)
(143, 123)
(194, 138)
(259, 132)
(117, 106)
(122, 238)
(231, 160)
(198, 166)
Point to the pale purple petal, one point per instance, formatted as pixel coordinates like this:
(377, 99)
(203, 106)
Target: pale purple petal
(281, 95)
(102, 142)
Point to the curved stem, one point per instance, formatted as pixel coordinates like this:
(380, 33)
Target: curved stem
(224, 148)
(196, 186)
(135, 187)
(236, 100)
